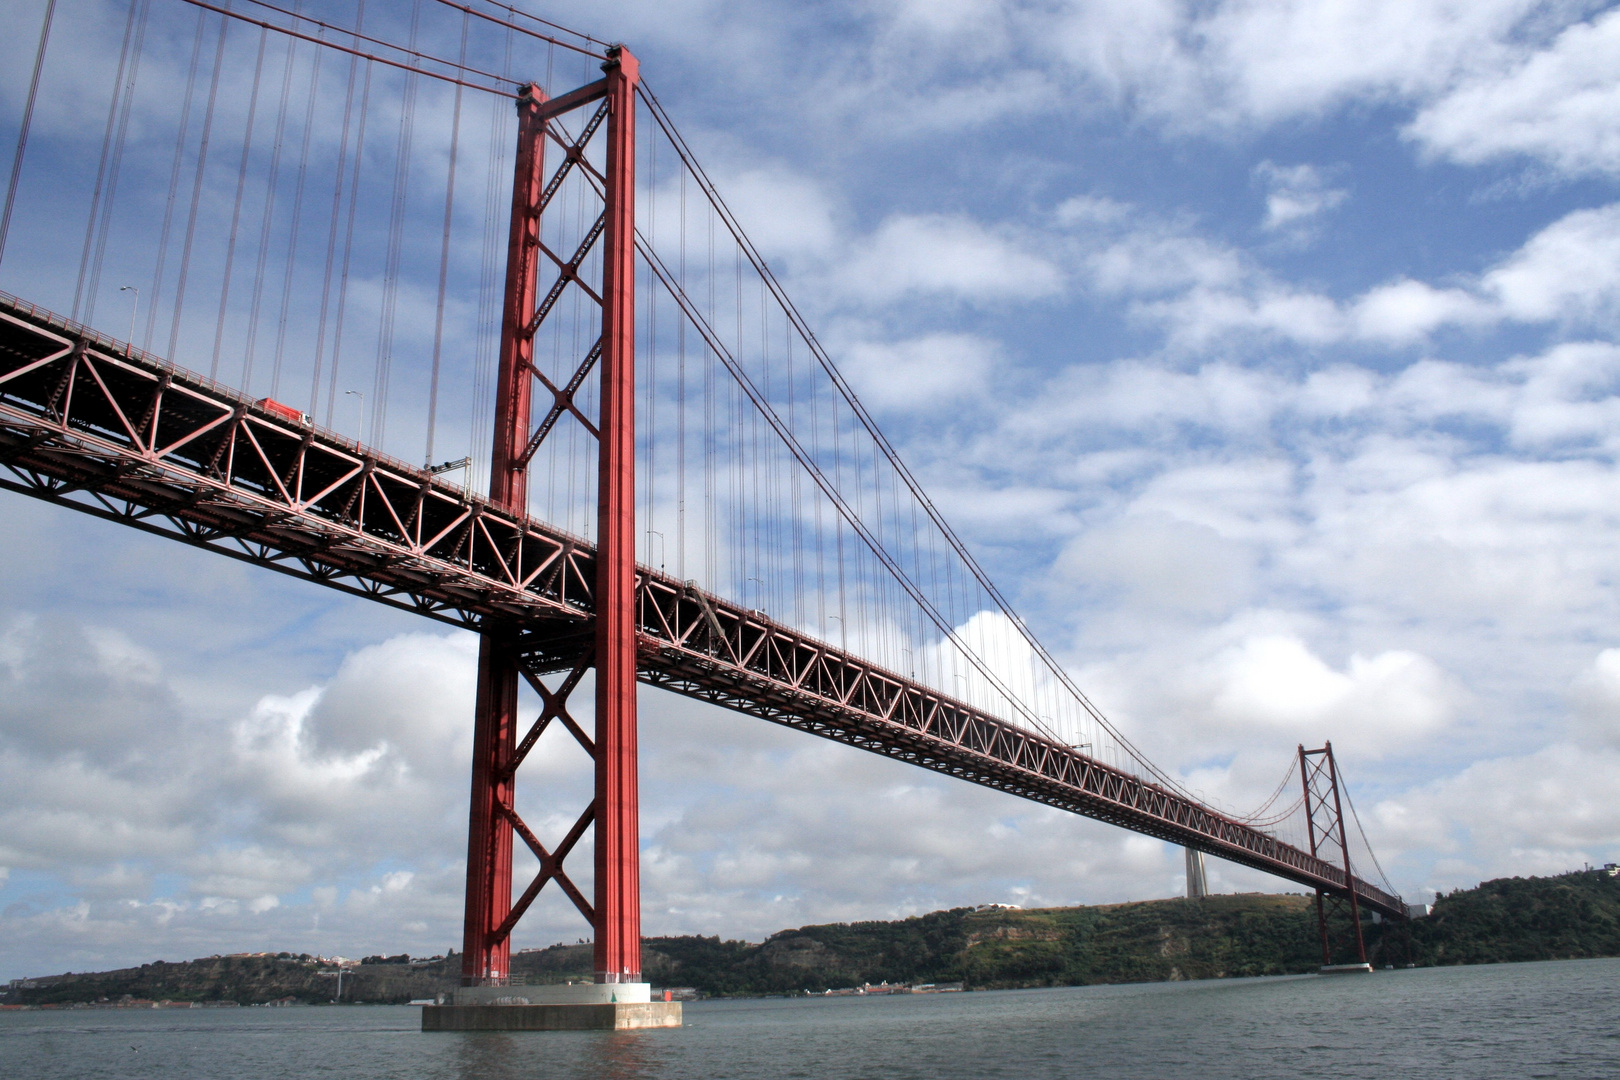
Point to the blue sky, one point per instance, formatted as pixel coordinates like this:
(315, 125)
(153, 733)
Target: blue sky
(1265, 351)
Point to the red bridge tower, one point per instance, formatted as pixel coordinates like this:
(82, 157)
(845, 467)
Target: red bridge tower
(615, 911)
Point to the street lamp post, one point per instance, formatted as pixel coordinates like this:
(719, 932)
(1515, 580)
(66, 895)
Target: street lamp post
(360, 434)
(136, 306)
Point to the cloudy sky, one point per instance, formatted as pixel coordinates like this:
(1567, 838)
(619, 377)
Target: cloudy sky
(1266, 350)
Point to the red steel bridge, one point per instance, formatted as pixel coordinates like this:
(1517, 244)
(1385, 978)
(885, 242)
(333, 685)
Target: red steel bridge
(733, 439)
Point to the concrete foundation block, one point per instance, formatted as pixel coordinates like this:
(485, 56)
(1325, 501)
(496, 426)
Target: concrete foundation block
(617, 1016)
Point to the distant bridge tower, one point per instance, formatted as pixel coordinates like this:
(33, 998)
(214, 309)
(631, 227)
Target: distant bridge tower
(1324, 822)
(1197, 883)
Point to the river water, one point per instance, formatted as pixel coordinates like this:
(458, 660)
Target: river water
(1477, 1023)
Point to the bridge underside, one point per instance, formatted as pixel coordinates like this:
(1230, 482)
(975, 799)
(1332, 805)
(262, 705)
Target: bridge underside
(96, 426)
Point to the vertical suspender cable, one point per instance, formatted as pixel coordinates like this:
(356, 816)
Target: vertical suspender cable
(711, 522)
(267, 217)
(680, 404)
(111, 192)
(236, 218)
(489, 311)
(331, 235)
(196, 189)
(348, 248)
(331, 249)
(444, 253)
(106, 153)
(383, 364)
(174, 184)
(650, 407)
(27, 122)
(292, 236)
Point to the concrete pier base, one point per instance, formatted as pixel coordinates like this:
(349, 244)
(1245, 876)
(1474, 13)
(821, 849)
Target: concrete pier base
(1347, 969)
(568, 1007)
(613, 1016)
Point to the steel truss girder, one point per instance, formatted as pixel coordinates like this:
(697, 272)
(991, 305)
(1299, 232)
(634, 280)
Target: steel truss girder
(58, 444)
(696, 644)
(98, 427)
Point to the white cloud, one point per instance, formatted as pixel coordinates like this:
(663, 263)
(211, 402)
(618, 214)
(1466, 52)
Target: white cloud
(804, 233)
(1543, 812)
(333, 819)
(787, 215)
(946, 256)
(1377, 704)
(307, 790)
(1256, 62)
(1160, 561)
(1596, 696)
(921, 372)
(1090, 210)
(1159, 258)
(1295, 194)
(1201, 290)
(1487, 79)
(1560, 104)
(1390, 560)
(1569, 271)
(1406, 311)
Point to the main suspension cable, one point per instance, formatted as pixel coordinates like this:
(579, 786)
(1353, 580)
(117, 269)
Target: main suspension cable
(362, 54)
(512, 28)
(1345, 787)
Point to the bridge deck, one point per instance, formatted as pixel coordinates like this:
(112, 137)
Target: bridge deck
(95, 425)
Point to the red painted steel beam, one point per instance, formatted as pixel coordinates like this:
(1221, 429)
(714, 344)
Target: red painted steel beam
(486, 933)
(1310, 833)
(486, 953)
(618, 834)
(1344, 849)
(575, 98)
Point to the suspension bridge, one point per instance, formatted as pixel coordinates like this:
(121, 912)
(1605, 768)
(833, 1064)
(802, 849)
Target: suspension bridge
(663, 476)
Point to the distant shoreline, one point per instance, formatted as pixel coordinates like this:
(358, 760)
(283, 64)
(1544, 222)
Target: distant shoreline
(1571, 916)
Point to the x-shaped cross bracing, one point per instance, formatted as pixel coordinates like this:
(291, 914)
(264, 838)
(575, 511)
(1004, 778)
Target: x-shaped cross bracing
(553, 706)
(568, 271)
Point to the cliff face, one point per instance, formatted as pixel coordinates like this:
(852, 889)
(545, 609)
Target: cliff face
(1573, 915)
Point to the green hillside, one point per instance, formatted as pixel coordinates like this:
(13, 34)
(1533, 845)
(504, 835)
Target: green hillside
(1572, 915)
(1568, 917)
